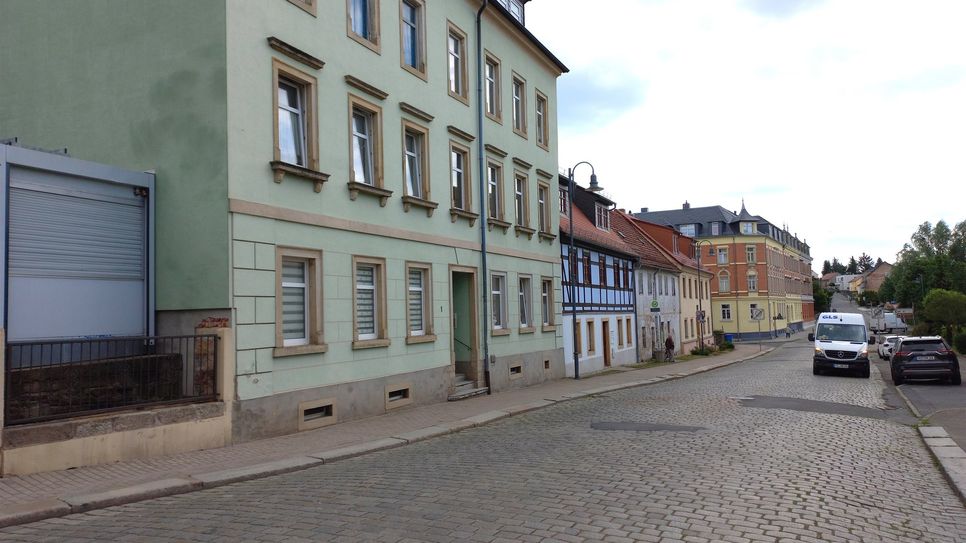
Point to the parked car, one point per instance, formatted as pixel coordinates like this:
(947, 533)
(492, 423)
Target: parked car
(924, 357)
(886, 345)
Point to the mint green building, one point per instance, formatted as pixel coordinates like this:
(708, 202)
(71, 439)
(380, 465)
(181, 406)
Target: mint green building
(322, 181)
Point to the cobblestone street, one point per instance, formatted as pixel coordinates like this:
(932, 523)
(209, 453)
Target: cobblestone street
(719, 469)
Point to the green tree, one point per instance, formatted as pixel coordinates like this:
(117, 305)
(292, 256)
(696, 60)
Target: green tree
(826, 267)
(822, 297)
(945, 307)
(865, 263)
(853, 266)
(935, 257)
(837, 266)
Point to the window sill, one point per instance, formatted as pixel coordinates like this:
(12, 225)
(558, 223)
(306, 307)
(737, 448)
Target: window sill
(414, 340)
(543, 146)
(549, 328)
(428, 205)
(500, 332)
(465, 100)
(498, 119)
(455, 213)
(295, 350)
(491, 222)
(529, 232)
(521, 133)
(546, 236)
(281, 168)
(355, 188)
(420, 73)
(369, 44)
(526, 330)
(370, 343)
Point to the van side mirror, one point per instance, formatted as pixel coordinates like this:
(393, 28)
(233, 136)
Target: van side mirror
(872, 340)
(811, 337)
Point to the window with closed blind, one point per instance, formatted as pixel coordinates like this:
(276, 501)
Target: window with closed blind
(369, 303)
(298, 302)
(419, 305)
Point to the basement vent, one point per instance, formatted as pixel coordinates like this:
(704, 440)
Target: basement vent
(316, 414)
(546, 364)
(516, 371)
(398, 395)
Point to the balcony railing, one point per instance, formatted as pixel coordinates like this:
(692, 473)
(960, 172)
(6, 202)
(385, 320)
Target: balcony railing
(61, 379)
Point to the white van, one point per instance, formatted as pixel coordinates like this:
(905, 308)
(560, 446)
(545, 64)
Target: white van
(841, 343)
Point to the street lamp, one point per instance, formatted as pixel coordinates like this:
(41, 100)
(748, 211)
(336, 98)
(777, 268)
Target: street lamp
(697, 244)
(571, 256)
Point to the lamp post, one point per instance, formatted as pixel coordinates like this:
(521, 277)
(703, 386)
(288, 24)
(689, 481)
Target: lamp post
(571, 256)
(697, 245)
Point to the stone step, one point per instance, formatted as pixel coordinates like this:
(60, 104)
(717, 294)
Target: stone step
(467, 393)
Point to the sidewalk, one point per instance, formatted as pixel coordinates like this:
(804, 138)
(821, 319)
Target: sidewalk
(44, 495)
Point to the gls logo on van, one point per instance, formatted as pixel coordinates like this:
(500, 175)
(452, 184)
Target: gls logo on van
(831, 317)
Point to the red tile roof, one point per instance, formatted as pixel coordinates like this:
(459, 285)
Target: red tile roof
(641, 226)
(585, 231)
(645, 247)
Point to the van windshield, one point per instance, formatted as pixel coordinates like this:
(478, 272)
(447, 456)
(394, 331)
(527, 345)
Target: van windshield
(841, 332)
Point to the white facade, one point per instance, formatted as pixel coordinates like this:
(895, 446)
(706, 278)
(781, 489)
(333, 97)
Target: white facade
(658, 289)
(596, 352)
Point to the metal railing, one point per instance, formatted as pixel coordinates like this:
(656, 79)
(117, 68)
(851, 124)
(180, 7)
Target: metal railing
(52, 380)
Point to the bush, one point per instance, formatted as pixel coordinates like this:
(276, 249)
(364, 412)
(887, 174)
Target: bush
(921, 329)
(701, 351)
(727, 346)
(959, 342)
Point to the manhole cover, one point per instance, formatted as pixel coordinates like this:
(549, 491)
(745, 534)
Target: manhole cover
(643, 427)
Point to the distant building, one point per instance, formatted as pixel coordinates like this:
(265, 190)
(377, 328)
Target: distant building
(874, 278)
(756, 265)
(829, 279)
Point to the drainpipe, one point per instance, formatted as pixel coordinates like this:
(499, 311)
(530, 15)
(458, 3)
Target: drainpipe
(637, 324)
(482, 193)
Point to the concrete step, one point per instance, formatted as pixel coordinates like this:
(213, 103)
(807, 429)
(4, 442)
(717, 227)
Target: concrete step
(467, 393)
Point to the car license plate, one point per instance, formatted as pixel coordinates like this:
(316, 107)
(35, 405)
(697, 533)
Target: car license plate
(840, 366)
(925, 358)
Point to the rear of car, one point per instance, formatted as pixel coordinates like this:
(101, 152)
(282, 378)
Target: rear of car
(924, 357)
(886, 346)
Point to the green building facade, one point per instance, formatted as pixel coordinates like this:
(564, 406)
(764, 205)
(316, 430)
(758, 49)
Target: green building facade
(318, 184)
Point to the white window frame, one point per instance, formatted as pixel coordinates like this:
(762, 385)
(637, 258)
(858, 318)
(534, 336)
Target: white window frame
(602, 216)
(521, 200)
(492, 81)
(748, 228)
(542, 119)
(420, 156)
(724, 281)
(726, 312)
(525, 299)
(370, 34)
(417, 27)
(546, 300)
(299, 150)
(688, 229)
(304, 285)
(752, 282)
(459, 175)
(306, 85)
(377, 338)
(498, 292)
(564, 201)
(425, 295)
(543, 211)
(722, 255)
(456, 70)
(518, 98)
(751, 254)
(494, 190)
(313, 342)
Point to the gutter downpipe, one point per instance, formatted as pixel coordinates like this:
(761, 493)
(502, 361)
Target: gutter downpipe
(482, 193)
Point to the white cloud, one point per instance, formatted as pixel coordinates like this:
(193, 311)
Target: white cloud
(846, 120)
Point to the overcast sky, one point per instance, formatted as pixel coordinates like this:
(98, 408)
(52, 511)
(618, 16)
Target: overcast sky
(845, 119)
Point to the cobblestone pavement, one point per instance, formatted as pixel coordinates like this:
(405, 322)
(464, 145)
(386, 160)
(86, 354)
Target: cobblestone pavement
(750, 474)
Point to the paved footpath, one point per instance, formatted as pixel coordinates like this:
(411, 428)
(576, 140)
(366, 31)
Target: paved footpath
(761, 451)
(33, 497)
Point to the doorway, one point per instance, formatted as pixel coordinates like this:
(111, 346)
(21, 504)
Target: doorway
(606, 333)
(463, 342)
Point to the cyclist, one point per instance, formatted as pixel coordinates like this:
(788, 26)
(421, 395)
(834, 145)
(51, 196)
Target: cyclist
(669, 349)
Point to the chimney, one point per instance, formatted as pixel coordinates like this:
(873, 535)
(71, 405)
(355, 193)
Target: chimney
(686, 205)
(643, 210)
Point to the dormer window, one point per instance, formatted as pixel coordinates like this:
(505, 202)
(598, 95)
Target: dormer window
(716, 229)
(603, 218)
(748, 228)
(688, 229)
(515, 7)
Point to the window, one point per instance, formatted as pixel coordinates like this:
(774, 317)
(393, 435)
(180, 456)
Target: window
(724, 282)
(415, 160)
(726, 312)
(564, 202)
(515, 7)
(687, 229)
(363, 22)
(543, 211)
(498, 298)
(747, 228)
(456, 42)
(602, 270)
(419, 300)
(366, 146)
(591, 339)
(546, 301)
(586, 267)
(603, 218)
(494, 190)
(491, 76)
(412, 34)
(520, 200)
(295, 117)
(627, 324)
(519, 105)
(580, 339)
(752, 282)
(722, 255)
(369, 302)
(526, 302)
(459, 176)
(715, 228)
(543, 121)
(751, 254)
(298, 307)
(620, 332)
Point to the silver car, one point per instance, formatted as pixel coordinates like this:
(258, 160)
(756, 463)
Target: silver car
(886, 346)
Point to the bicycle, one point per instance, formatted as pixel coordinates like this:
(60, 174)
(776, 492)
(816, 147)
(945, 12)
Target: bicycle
(668, 355)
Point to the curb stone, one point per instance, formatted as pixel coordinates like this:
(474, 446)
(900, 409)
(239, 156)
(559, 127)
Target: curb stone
(54, 507)
(951, 458)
